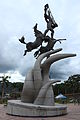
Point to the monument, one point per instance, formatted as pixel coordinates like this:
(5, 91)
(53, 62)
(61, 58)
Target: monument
(37, 98)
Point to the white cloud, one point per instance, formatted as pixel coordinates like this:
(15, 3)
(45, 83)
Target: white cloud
(17, 18)
(15, 76)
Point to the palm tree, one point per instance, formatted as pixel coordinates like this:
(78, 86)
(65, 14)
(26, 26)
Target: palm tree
(3, 82)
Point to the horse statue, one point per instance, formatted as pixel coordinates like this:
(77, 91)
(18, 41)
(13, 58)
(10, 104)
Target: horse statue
(50, 44)
(33, 45)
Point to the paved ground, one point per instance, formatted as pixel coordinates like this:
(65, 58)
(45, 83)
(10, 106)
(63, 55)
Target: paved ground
(73, 114)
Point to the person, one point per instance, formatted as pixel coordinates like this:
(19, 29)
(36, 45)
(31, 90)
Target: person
(51, 24)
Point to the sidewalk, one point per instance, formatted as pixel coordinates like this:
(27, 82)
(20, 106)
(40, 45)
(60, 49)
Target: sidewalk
(73, 114)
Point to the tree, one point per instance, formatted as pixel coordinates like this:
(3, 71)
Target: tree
(74, 83)
(17, 86)
(70, 86)
(4, 82)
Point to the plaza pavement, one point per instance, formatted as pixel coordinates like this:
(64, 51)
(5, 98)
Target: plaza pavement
(73, 114)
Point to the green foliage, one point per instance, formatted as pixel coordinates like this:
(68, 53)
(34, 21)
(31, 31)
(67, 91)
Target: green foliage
(18, 85)
(7, 88)
(4, 81)
(15, 95)
(71, 86)
(4, 101)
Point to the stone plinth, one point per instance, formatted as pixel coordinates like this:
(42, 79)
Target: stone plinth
(16, 107)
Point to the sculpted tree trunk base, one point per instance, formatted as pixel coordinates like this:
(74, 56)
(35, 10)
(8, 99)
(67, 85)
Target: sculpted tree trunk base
(37, 88)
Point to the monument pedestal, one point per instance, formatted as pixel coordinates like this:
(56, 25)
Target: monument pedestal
(16, 107)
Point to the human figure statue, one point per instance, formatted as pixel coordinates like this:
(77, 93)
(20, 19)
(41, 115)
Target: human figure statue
(51, 24)
(33, 45)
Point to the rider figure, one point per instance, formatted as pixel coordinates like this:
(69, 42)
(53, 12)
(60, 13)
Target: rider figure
(51, 24)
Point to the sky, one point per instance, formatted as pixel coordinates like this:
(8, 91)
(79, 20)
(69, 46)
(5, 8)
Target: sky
(18, 17)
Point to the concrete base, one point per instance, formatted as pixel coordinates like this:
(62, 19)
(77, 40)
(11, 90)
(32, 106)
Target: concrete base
(16, 107)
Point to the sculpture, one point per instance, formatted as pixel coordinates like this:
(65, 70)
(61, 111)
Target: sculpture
(33, 45)
(39, 74)
(51, 24)
(37, 87)
(37, 83)
(37, 98)
(50, 44)
(40, 37)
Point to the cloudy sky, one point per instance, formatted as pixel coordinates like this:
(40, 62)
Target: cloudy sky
(17, 18)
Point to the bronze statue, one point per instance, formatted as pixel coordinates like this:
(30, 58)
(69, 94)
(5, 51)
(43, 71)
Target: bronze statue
(33, 45)
(50, 44)
(40, 37)
(51, 24)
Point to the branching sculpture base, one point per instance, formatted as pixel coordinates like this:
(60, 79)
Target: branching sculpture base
(16, 107)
